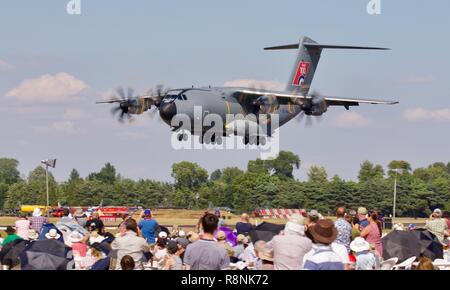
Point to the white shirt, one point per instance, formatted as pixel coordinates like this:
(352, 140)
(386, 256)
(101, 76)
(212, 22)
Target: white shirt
(338, 249)
(341, 251)
(249, 254)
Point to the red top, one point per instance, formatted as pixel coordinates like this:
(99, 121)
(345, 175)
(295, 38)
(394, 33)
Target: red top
(81, 248)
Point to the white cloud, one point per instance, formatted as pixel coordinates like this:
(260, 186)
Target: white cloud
(258, 84)
(351, 119)
(5, 66)
(48, 88)
(415, 79)
(419, 114)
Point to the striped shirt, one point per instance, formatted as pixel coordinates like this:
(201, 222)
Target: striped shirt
(322, 257)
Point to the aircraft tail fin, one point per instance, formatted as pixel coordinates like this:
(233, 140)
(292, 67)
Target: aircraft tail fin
(308, 57)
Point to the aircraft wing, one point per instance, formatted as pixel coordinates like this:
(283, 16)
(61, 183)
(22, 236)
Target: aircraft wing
(285, 97)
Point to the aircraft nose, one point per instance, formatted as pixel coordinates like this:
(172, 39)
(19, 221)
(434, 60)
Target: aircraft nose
(167, 111)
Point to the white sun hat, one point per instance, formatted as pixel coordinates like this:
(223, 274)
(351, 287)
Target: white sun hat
(75, 237)
(37, 212)
(359, 245)
(52, 234)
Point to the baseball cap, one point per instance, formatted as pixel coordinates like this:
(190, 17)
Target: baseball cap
(437, 211)
(183, 242)
(313, 213)
(172, 246)
(147, 212)
(362, 211)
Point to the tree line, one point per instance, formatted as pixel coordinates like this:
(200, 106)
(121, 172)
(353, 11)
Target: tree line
(264, 183)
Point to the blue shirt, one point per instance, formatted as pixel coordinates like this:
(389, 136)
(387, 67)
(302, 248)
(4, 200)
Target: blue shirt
(243, 228)
(366, 261)
(363, 223)
(148, 227)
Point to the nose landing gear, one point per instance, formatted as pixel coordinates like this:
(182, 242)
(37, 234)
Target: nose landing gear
(213, 139)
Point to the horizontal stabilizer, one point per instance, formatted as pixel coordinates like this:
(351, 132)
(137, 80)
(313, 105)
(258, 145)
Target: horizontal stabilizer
(318, 45)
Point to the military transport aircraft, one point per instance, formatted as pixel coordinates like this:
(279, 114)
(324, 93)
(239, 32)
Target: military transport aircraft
(223, 101)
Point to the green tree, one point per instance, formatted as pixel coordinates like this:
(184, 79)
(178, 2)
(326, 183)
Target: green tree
(317, 174)
(215, 175)
(9, 174)
(369, 171)
(74, 176)
(3, 190)
(189, 175)
(283, 164)
(107, 174)
(399, 164)
(257, 166)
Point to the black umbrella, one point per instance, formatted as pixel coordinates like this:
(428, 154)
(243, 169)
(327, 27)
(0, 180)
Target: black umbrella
(431, 246)
(45, 255)
(11, 258)
(400, 244)
(275, 228)
(5, 250)
(257, 235)
(406, 244)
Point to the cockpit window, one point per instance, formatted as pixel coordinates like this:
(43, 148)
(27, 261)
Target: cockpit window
(170, 98)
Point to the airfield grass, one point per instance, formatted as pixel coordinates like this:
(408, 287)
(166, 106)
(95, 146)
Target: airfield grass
(187, 219)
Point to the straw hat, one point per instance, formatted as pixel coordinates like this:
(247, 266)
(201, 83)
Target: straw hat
(266, 255)
(221, 236)
(240, 238)
(52, 234)
(193, 237)
(32, 234)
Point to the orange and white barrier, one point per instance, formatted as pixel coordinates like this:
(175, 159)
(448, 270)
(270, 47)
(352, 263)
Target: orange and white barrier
(277, 213)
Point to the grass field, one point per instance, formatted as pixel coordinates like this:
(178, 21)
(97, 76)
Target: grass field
(189, 219)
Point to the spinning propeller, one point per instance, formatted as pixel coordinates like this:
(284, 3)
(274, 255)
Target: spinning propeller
(315, 106)
(135, 105)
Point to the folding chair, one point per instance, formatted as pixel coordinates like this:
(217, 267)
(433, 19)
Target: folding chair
(388, 264)
(407, 264)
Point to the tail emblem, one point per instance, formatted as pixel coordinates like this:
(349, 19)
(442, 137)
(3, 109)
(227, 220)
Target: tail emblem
(302, 71)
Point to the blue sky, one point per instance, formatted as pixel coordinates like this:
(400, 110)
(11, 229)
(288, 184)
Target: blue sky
(53, 66)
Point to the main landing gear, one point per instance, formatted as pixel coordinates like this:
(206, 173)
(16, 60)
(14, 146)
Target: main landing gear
(212, 139)
(254, 140)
